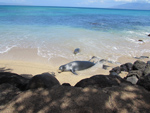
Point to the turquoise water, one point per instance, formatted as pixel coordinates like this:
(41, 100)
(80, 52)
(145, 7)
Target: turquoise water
(57, 31)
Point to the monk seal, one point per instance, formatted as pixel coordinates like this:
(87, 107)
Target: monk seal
(76, 66)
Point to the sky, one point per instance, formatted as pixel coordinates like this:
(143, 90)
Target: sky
(74, 3)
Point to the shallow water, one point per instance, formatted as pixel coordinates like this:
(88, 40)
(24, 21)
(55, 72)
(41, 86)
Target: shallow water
(56, 31)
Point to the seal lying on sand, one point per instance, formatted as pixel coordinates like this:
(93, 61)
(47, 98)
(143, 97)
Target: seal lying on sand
(76, 66)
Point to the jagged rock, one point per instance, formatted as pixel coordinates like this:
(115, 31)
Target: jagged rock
(13, 79)
(147, 69)
(144, 82)
(44, 80)
(100, 81)
(139, 65)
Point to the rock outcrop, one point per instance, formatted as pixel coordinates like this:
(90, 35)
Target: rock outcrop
(44, 80)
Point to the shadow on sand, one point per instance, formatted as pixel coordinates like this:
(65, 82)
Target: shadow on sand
(64, 99)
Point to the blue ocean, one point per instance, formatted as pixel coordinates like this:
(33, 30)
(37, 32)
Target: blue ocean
(56, 31)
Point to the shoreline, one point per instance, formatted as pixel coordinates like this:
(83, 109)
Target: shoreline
(32, 68)
(27, 61)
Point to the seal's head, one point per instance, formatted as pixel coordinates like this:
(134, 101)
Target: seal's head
(61, 69)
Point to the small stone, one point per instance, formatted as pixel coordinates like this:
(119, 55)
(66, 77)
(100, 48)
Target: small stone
(76, 51)
(105, 67)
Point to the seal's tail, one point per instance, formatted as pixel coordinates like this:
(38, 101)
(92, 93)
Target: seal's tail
(94, 59)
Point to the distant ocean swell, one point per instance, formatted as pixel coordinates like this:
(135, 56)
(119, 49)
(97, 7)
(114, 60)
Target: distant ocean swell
(56, 31)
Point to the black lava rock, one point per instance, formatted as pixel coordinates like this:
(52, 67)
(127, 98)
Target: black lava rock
(44, 80)
(144, 82)
(66, 84)
(126, 67)
(100, 81)
(13, 79)
(139, 65)
(146, 70)
(116, 69)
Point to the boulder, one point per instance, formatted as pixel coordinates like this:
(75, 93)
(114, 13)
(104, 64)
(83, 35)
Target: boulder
(139, 65)
(116, 69)
(126, 67)
(100, 81)
(144, 82)
(44, 80)
(146, 70)
(13, 79)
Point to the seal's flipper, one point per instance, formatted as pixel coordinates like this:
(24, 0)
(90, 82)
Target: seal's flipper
(73, 72)
(94, 59)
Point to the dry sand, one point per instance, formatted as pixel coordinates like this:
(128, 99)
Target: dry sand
(26, 61)
(22, 67)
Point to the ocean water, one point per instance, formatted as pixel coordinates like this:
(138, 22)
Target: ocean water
(57, 31)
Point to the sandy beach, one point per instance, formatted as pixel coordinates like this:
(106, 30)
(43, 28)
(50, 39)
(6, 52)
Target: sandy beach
(22, 67)
(33, 68)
